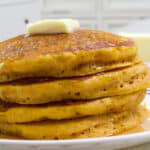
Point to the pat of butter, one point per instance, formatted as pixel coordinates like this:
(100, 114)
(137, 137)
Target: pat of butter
(52, 26)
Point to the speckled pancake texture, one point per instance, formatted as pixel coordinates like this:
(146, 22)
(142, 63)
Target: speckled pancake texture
(63, 55)
(86, 127)
(13, 113)
(117, 82)
(126, 125)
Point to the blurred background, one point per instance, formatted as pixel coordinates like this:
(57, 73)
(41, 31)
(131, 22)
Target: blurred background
(126, 17)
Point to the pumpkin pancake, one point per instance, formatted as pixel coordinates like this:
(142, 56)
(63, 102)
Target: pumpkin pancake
(127, 125)
(64, 55)
(117, 82)
(15, 113)
(98, 131)
(64, 129)
(136, 129)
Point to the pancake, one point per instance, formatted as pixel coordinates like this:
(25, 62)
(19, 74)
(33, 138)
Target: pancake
(75, 128)
(98, 131)
(117, 82)
(13, 113)
(127, 125)
(58, 129)
(136, 129)
(64, 55)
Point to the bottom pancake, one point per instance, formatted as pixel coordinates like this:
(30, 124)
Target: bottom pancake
(95, 126)
(126, 125)
(136, 129)
(15, 113)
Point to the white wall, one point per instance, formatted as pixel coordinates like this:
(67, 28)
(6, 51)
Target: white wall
(14, 14)
(109, 15)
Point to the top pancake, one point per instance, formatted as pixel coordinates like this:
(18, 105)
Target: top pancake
(60, 55)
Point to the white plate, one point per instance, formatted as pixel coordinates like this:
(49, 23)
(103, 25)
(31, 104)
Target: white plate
(105, 143)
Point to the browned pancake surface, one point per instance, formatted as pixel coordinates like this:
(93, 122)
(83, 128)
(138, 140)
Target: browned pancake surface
(23, 47)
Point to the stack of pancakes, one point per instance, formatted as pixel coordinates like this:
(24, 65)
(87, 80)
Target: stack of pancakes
(87, 83)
